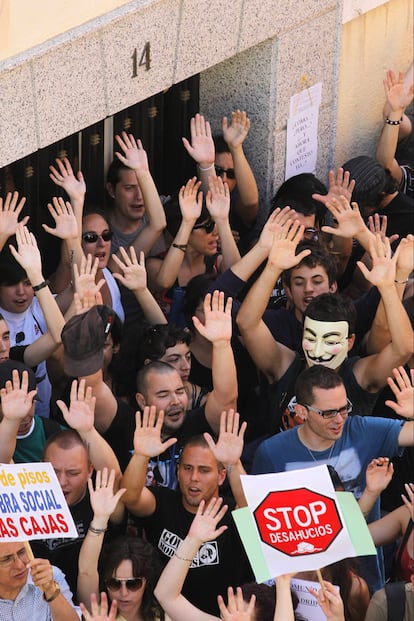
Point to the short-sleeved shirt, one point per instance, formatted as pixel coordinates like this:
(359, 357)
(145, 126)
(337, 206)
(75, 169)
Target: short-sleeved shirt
(218, 564)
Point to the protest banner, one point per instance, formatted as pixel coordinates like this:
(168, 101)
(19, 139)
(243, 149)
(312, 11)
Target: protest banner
(32, 504)
(295, 521)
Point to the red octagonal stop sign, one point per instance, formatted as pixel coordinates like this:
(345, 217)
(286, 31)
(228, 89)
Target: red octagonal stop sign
(298, 521)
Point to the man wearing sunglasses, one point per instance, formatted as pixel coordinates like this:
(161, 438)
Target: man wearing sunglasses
(223, 155)
(329, 435)
(32, 589)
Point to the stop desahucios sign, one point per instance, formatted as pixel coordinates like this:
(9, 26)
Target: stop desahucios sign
(298, 521)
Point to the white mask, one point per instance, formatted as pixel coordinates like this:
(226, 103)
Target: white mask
(325, 342)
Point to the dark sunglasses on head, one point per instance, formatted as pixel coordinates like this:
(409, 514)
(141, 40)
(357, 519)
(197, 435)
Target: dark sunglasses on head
(91, 237)
(132, 584)
(229, 172)
(207, 226)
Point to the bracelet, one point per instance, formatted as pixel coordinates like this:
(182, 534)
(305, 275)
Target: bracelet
(97, 531)
(208, 168)
(182, 247)
(401, 282)
(389, 122)
(188, 560)
(55, 594)
(41, 285)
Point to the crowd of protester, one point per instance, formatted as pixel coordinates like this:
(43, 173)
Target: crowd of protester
(177, 347)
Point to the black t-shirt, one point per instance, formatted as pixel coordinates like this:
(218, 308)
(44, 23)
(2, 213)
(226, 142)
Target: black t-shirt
(218, 564)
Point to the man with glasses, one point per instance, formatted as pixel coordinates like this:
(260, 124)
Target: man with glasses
(330, 436)
(32, 589)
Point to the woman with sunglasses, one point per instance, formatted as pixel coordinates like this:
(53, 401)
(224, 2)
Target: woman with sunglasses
(203, 243)
(128, 568)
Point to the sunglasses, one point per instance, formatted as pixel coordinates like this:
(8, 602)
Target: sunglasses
(343, 411)
(311, 234)
(91, 237)
(132, 584)
(229, 172)
(207, 226)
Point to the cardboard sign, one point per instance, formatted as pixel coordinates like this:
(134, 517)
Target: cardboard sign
(32, 504)
(295, 521)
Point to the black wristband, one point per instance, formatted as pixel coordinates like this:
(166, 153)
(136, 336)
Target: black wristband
(41, 285)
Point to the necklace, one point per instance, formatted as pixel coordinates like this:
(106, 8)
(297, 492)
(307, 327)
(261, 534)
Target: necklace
(311, 453)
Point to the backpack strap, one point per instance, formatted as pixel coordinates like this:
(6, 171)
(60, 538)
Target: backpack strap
(395, 592)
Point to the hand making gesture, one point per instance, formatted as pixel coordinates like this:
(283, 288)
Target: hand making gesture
(84, 277)
(190, 200)
(204, 525)
(9, 215)
(134, 276)
(235, 133)
(217, 318)
(65, 220)
(147, 436)
(201, 148)
(16, 400)
(403, 390)
(134, 155)
(237, 609)
(218, 198)
(100, 612)
(81, 412)
(229, 446)
(103, 500)
(64, 177)
(283, 252)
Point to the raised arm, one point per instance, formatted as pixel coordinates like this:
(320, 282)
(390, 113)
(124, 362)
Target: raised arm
(9, 216)
(190, 201)
(135, 157)
(372, 371)
(393, 525)
(402, 385)
(377, 477)
(218, 205)
(217, 329)
(228, 449)
(235, 134)
(201, 148)
(134, 278)
(169, 586)
(28, 256)
(271, 357)
(147, 443)
(398, 96)
(103, 502)
(16, 404)
(80, 416)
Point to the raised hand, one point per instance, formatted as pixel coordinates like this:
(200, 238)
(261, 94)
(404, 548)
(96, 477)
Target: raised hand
(190, 200)
(237, 609)
(398, 95)
(27, 253)
(147, 436)
(383, 263)
(218, 198)
(201, 148)
(10, 212)
(339, 185)
(235, 133)
(65, 220)
(273, 226)
(405, 261)
(134, 275)
(81, 412)
(283, 251)
(84, 277)
(134, 156)
(89, 299)
(16, 401)
(348, 217)
(204, 525)
(64, 177)
(403, 390)
(378, 474)
(103, 500)
(217, 318)
(99, 612)
(229, 446)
